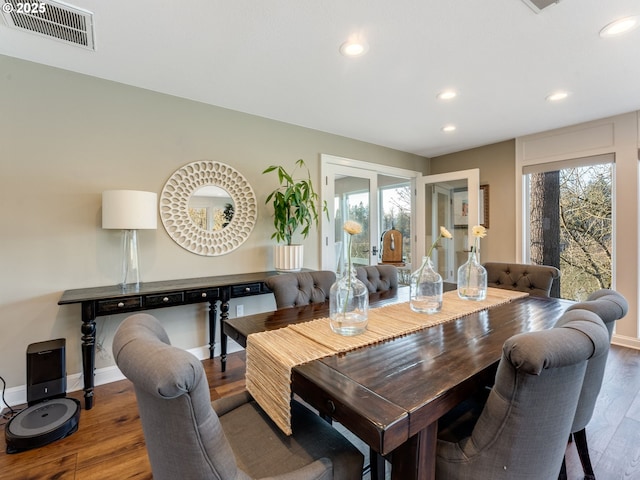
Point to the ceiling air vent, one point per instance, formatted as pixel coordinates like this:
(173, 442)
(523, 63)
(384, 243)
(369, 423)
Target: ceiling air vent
(51, 19)
(539, 5)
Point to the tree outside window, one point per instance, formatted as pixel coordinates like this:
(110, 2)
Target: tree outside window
(571, 227)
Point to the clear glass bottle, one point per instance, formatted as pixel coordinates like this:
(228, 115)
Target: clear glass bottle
(426, 288)
(348, 304)
(472, 279)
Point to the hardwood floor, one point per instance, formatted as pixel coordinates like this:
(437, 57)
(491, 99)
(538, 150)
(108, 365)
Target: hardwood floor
(109, 443)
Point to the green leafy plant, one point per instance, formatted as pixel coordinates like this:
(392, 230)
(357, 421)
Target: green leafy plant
(295, 203)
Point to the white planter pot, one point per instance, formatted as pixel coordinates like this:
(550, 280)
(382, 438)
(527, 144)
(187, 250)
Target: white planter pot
(288, 258)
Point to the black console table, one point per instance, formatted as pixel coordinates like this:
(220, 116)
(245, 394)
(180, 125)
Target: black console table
(110, 300)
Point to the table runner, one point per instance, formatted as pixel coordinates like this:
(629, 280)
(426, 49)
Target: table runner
(272, 355)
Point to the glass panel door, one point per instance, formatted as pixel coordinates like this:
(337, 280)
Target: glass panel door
(443, 254)
(353, 193)
(352, 204)
(381, 199)
(449, 200)
(396, 205)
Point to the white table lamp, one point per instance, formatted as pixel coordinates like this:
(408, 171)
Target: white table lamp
(129, 211)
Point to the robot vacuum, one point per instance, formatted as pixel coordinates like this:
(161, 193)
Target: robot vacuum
(50, 415)
(42, 423)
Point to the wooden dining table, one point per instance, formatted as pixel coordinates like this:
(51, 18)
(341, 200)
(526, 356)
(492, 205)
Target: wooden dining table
(392, 394)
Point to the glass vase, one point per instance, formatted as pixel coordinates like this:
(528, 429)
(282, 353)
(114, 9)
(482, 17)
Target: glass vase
(426, 288)
(348, 304)
(472, 279)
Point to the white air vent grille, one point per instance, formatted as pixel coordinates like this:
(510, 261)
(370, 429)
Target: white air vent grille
(52, 19)
(539, 5)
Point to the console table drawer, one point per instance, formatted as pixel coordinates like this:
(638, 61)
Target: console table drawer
(246, 289)
(164, 299)
(202, 295)
(121, 305)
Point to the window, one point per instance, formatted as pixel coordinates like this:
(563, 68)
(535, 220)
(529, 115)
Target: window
(570, 222)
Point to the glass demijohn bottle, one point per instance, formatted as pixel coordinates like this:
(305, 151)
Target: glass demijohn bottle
(426, 288)
(472, 279)
(348, 304)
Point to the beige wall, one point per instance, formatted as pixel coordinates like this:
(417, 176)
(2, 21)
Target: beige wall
(497, 169)
(66, 138)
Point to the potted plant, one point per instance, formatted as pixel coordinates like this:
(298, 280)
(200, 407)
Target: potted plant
(295, 210)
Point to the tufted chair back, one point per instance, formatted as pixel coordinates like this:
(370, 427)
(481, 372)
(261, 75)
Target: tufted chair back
(610, 306)
(189, 438)
(523, 429)
(300, 288)
(536, 280)
(183, 435)
(378, 278)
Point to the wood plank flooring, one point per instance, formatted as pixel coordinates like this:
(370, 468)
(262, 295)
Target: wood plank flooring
(109, 443)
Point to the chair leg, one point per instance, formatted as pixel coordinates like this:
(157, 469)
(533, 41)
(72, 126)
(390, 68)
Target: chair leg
(326, 418)
(377, 464)
(563, 470)
(580, 439)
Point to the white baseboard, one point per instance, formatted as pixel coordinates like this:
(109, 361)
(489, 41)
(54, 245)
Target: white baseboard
(18, 395)
(630, 342)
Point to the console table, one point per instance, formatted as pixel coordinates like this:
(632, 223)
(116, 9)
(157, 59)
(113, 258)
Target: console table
(110, 300)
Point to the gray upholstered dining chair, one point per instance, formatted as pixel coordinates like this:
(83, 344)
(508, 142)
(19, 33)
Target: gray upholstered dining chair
(190, 438)
(378, 278)
(536, 280)
(523, 428)
(610, 306)
(300, 288)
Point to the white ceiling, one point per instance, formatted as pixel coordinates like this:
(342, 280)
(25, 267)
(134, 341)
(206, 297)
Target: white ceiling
(279, 59)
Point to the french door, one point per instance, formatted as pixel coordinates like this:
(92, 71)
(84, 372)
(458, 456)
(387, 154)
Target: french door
(376, 196)
(349, 194)
(355, 190)
(449, 200)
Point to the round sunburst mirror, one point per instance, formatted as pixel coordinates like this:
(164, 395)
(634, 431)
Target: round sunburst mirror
(208, 208)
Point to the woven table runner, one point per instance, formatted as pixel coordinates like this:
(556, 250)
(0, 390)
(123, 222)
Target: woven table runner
(272, 355)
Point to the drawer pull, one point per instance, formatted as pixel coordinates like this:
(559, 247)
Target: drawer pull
(245, 290)
(106, 307)
(204, 294)
(331, 406)
(167, 299)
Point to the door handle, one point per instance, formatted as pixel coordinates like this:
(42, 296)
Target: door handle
(374, 250)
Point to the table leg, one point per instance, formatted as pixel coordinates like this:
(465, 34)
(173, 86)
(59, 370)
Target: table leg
(213, 317)
(88, 330)
(416, 458)
(377, 465)
(224, 316)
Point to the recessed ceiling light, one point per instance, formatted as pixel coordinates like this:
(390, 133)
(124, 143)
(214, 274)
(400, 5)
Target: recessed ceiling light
(447, 95)
(557, 96)
(353, 48)
(449, 128)
(621, 26)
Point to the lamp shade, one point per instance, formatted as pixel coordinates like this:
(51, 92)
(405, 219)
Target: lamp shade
(129, 210)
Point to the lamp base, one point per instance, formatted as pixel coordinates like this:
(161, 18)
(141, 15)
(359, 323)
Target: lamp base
(130, 269)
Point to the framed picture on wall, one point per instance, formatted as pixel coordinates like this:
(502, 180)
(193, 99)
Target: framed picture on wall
(461, 207)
